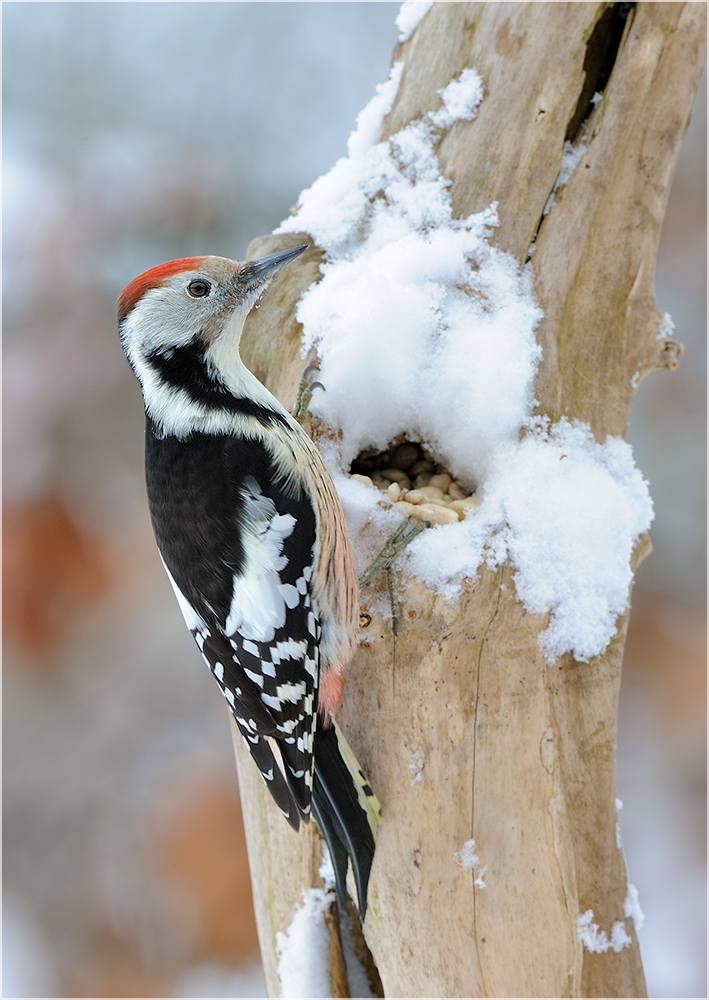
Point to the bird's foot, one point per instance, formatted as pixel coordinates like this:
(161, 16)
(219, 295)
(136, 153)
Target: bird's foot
(396, 543)
(305, 394)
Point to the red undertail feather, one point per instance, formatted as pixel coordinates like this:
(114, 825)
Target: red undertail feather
(329, 694)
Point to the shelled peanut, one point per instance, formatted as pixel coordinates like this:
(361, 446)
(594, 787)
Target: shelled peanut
(410, 481)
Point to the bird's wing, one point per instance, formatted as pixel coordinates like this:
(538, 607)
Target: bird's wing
(240, 564)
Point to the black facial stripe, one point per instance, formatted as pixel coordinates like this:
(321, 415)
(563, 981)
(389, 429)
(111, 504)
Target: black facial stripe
(185, 368)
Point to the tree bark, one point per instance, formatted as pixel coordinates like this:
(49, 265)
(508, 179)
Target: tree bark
(516, 753)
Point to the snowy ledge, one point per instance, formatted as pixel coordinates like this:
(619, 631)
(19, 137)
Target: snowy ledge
(426, 333)
(596, 941)
(304, 960)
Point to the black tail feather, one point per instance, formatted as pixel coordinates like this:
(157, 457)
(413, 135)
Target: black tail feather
(276, 783)
(334, 839)
(339, 808)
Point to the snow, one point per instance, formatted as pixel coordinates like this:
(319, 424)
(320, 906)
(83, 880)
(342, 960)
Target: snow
(370, 118)
(597, 941)
(566, 510)
(304, 950)
(326, 870)
(619, 936)
(569, 161)
(467, 859)
(409, 17)
(666, 329)
(460, 100)
(631, 907)
(466, 856)
(424, 329)
(356, 975)
(618, 836)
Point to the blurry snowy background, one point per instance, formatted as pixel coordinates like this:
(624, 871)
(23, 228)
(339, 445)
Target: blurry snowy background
(133, 134)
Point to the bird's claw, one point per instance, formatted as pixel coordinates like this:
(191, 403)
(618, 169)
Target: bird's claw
(305, 394)
(396, 543)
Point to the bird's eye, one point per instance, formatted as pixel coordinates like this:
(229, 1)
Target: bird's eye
(199, 288)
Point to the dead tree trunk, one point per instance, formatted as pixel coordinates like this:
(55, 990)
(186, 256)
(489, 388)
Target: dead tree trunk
(519, 754)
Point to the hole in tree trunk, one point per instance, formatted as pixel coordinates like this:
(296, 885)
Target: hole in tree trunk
(601, 53)
(411, 478)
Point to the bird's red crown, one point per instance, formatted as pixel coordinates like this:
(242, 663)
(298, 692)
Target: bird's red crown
(136, 289)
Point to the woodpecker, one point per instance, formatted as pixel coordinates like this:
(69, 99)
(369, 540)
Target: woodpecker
(253, 539)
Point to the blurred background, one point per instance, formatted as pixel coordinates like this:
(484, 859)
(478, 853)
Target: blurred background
(139, 132)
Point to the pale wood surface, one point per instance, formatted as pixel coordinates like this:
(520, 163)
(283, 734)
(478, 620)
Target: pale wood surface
(517, 753)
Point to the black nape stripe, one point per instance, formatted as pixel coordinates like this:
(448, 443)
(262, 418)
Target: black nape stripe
(185, 368)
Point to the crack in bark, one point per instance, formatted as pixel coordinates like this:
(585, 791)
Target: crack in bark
(602, 48)
(475, 728)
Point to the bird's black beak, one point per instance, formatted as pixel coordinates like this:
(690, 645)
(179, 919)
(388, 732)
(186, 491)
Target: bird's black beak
(257, 270)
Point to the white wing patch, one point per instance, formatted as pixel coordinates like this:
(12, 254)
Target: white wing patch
(275, 705)
(259, 602)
